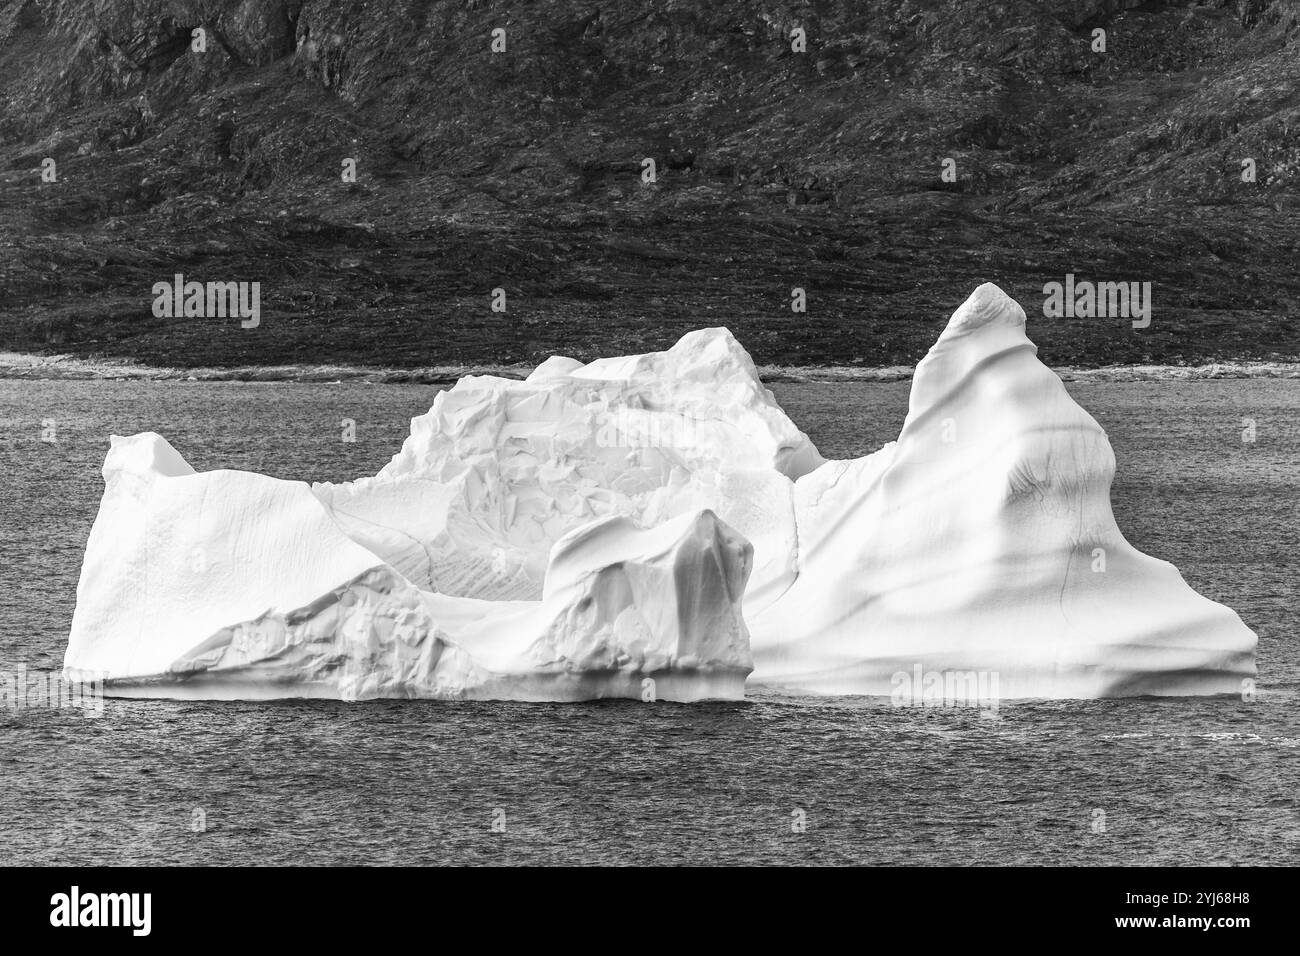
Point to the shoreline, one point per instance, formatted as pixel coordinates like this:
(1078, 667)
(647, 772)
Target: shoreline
(21, 365)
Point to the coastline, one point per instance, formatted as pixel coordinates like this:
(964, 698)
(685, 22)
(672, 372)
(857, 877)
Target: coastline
(21, 365)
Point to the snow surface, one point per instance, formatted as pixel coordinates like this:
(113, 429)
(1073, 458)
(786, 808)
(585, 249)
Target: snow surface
(573, 534)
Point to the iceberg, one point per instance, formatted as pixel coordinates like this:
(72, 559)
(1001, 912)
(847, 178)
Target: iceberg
(982, 542)
(233, 585)
(657, 525)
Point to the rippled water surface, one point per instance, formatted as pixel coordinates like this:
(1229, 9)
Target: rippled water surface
(1132, 781)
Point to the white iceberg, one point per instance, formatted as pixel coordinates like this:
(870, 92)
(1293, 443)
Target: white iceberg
(571, 535)
(234, 585)
(982, 542)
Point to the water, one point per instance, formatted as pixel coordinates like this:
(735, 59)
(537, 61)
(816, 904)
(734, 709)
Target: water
(1178, 781)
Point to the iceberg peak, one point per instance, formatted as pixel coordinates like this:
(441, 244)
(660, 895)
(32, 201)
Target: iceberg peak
(987, 305)
(144, 455)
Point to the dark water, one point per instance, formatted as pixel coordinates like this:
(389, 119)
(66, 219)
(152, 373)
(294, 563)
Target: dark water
(1178, 781)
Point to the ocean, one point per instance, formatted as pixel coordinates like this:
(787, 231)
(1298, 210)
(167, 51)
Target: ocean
(771, 780)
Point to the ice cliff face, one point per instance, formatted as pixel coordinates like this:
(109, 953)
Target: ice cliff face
(576, 533)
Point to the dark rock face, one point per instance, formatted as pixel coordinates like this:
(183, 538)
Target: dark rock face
(522, 170)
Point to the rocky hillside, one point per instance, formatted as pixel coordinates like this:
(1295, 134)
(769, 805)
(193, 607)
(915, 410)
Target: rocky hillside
(522, 169)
